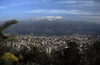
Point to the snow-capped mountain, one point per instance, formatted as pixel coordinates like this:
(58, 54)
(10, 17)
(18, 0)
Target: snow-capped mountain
(53, 25)
(50, 18)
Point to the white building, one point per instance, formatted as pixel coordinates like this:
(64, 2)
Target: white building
(48, 50)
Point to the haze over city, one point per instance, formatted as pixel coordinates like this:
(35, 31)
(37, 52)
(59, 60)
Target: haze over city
(80, 10)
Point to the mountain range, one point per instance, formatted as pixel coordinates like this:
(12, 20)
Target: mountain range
(53, 25)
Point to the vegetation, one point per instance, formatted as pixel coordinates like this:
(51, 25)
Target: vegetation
(92, 55)
(10, 57)
(3, 38)
(34, 55)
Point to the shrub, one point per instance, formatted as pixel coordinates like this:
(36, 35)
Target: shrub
(10, 57)
(4, 62)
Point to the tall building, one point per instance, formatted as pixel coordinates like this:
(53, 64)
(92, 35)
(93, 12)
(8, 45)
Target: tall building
(48, 50)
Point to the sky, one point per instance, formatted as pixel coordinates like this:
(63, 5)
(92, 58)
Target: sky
(87, 10)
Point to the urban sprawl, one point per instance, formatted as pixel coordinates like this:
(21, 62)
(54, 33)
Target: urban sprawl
(47, 43)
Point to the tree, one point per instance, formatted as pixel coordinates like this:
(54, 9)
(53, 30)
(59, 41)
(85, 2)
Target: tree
(57, 56)
(4, 38)
(92, 55)
(4, 62)
(70, 55)
(34, 55)
(4, 49)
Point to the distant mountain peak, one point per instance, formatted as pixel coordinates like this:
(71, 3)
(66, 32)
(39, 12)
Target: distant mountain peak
(50, 18)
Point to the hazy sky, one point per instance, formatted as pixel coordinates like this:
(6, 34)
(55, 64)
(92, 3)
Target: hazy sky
(88, 10)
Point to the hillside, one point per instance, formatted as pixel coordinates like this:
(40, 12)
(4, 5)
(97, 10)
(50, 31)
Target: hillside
(53, 26)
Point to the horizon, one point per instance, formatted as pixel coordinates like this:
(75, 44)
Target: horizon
(49, 18)
(79, 10)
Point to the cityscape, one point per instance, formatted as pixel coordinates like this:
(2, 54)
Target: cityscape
(47, 43)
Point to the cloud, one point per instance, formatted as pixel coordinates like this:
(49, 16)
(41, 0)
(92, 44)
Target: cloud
(2, 7)
(30, 2)
(50, 17)
(73, 2)
(36, 11)
(47, 11)
(93, 17)
(80, 3)
(97, 0)
(64, 2)
(21, 3)
(75, 12)
(91, 3)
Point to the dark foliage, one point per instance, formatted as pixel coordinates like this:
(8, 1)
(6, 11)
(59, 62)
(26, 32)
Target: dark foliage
(92, 55)
(36, 56)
